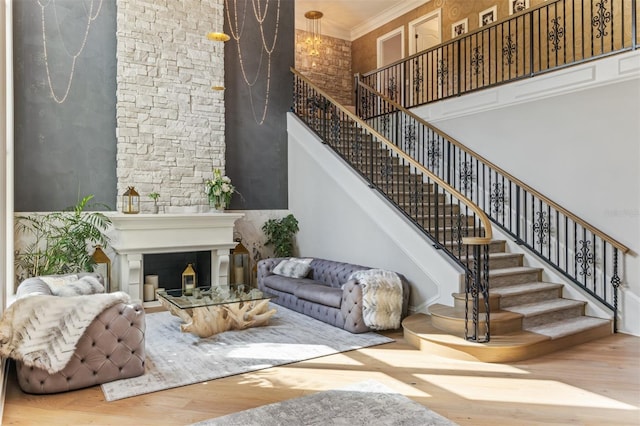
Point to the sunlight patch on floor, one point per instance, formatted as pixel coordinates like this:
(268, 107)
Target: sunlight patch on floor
(526, 391)
(434, 362)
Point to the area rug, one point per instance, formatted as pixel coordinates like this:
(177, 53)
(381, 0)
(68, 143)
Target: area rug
(177, 359)
(364, 403)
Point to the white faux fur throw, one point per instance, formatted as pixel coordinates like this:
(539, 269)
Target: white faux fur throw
(42, 330)
(381, 298)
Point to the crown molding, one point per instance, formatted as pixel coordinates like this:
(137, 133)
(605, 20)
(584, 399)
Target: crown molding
(384, 17)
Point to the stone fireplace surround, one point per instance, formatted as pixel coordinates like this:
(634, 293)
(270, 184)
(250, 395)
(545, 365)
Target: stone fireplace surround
(134, 235)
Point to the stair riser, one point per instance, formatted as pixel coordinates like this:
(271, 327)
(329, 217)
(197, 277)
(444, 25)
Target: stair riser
(494, 304)
(502, 262)
(444, 220)
(513, 279)
(494, 246)
(549, 317)
(456, 325)
(532, 297)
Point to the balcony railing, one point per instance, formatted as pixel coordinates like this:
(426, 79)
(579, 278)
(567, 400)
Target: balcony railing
(548, 37)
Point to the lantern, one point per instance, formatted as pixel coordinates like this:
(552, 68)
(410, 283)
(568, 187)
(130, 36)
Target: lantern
(131, 201)
(102, 266)
(188, 280)
(240, 265)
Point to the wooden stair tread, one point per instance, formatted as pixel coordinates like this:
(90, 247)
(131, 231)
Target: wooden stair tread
(513, 271)
(545, 306)
(518, 289)
(570, 326)
(495, 255)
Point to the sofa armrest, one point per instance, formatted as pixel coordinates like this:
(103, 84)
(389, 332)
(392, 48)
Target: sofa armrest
(265, 268)
(111, 348)
(351, 307)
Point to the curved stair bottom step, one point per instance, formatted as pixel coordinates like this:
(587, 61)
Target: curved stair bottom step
(518, 346)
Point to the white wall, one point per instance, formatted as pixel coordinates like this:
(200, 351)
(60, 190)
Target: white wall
(341, 218)
(576, 140)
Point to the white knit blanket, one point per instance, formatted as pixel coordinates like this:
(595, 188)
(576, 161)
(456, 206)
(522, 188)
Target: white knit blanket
(381, 298)
(42, 330)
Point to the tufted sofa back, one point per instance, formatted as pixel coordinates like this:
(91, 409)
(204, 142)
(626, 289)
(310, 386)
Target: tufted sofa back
(333, 273)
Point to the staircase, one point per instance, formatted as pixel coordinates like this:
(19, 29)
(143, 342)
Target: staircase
(528, 316)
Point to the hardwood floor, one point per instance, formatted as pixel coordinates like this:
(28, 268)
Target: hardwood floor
(596, 383)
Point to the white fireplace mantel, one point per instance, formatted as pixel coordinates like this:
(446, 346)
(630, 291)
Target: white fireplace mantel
(133, 235)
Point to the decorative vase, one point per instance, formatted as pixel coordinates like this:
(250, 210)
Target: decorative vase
(217, 203)
(155, 208)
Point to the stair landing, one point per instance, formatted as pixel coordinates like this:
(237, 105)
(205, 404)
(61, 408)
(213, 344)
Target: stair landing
(511, 347)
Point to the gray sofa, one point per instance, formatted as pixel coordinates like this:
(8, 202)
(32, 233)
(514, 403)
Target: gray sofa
(112, 348)
(325, 294)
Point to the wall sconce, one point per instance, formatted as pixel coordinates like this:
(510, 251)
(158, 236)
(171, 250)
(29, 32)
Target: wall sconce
(103, 266)
(131, 201)
(314, 30)
(188, 280)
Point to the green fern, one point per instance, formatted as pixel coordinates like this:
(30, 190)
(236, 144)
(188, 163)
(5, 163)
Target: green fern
(60, 241)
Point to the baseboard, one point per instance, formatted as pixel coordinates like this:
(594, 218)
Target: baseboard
(4, 373)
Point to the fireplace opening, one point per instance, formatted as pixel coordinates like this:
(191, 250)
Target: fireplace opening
(170, 266)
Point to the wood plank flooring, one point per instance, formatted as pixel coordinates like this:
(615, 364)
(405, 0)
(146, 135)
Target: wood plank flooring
(596, 383)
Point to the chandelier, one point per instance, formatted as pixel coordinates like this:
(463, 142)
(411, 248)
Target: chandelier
(314, 30)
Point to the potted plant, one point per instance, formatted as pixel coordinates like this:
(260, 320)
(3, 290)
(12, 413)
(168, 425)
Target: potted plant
(59, 241)
(280, 234)
(154, 196)
(219, 190)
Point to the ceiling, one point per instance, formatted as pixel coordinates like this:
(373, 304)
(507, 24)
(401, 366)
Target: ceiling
(350, 19)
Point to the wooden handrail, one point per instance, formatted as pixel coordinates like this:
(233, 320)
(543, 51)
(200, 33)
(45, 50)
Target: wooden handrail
(484, 220)
(624, 249)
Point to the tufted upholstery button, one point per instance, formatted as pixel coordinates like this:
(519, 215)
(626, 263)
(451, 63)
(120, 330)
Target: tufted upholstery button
(68, 379)
(82, 360)
(93, 343)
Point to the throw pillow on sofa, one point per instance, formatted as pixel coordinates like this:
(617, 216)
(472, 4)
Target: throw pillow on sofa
(293, 268)
(71, 285)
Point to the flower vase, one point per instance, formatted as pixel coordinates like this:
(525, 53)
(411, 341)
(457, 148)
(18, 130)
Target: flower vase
(217, 204)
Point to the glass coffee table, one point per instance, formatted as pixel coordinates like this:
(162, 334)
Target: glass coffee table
(211, 310)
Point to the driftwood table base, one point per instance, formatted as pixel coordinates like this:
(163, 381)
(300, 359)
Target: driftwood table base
(206, 321)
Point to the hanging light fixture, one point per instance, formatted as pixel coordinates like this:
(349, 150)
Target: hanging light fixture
(217, 36)
(315, 31)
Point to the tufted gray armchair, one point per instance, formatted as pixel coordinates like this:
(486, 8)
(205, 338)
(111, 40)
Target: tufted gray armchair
(112, 348)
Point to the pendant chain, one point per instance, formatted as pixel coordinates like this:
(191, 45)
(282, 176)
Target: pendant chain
(74, 57)
(236, 33)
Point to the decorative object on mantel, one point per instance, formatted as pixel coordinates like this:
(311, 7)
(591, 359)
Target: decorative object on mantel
(280, 233)
(131, 201)
(154, 196)
(219, 190)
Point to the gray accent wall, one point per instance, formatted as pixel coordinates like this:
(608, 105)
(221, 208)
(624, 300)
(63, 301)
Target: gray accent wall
(256, 154)
(66, 150)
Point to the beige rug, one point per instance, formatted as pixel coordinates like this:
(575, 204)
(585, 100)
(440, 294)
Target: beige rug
(367, 403)
(178, 359)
